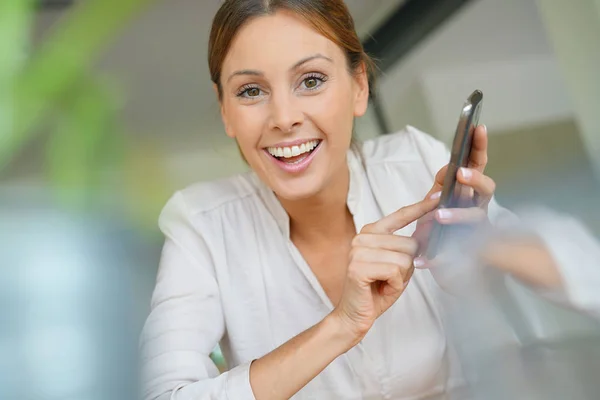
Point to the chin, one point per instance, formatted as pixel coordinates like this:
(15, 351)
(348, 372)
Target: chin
(298, 189)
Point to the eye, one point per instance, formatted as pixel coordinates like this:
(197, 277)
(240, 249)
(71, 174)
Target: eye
(253, 92)
(249, 92)
(313, 81)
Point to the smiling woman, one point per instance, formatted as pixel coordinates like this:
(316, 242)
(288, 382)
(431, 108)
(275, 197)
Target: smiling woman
(303, 270)
(323, 65)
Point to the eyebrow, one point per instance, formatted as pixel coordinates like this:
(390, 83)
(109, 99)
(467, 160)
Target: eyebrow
(297, 65)
(310, 58)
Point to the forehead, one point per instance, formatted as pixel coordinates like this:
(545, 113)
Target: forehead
(278, 39)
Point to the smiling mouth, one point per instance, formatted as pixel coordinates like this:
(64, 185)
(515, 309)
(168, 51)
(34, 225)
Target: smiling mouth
(293, 154)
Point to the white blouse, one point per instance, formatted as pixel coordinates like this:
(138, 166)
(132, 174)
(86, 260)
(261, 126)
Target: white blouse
(229, 274)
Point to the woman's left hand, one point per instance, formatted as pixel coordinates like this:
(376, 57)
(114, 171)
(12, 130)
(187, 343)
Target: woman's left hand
(481, 190)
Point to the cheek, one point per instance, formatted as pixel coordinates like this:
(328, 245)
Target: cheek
(332, 111)
(245, 124)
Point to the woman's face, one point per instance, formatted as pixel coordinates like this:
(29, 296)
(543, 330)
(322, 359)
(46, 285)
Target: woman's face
(289, 100)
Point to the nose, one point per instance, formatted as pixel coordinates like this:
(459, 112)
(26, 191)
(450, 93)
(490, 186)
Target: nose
(285, 114)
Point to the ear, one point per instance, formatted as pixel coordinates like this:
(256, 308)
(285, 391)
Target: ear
(361, 91)
(228, 131)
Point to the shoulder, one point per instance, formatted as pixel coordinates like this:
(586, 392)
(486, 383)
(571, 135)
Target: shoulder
(408, 145)
(205, 197)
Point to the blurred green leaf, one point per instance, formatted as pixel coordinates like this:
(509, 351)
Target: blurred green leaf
(15, 18)
(64, 59)
(84, 146)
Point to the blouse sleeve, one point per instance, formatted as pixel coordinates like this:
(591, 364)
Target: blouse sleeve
(186, 320)
(573, 247)
(576, 252)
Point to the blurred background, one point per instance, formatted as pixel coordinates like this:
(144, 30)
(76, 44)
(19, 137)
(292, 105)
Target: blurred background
(106, 108)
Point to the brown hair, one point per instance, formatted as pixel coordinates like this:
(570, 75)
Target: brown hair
(331, 18)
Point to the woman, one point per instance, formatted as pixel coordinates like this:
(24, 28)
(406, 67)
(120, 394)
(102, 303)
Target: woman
(303, 269)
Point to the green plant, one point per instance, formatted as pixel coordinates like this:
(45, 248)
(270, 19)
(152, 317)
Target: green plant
(57, 79)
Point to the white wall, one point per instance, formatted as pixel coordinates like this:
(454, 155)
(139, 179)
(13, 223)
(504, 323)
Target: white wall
(574, 28)
(499, 46)
(526, 91)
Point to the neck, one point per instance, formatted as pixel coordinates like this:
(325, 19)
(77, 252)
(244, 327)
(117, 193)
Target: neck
(324, 217)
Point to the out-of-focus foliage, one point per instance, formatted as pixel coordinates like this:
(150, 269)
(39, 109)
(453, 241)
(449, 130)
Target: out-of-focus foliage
(85, 147)
(53, 94)
(14, 24)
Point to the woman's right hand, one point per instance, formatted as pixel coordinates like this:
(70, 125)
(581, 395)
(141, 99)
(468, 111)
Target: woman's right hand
(381, 265)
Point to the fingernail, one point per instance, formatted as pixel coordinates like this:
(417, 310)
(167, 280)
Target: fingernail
(443, 213)
(436, 195)
(466, 173)
(419, 262)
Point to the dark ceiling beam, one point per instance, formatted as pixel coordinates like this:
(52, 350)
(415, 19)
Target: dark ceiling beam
(407, 27)
(412, 22)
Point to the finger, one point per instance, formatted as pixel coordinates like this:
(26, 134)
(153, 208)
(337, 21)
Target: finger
(424, 263)
(478, 157)
(483, 185)
(422, 234)
(440, 176)
(395, 243)
(408, 273)
(449, 216)
(369, 255)
(430, 216)
(365, 274)
(438, 182)
(424, 228)
(395, 285)
(404, 216)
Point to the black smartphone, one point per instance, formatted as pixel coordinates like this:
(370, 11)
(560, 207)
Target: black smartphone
(454, 194)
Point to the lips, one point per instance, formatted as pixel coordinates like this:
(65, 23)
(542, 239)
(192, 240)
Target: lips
(293, 150)
(294, 158)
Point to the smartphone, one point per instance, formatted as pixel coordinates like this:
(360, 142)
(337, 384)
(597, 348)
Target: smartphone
(454, 195)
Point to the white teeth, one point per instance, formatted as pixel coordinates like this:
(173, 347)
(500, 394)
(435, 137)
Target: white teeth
(293, 151)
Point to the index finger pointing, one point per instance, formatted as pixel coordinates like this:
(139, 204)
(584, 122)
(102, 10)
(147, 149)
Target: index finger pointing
(404, 216)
